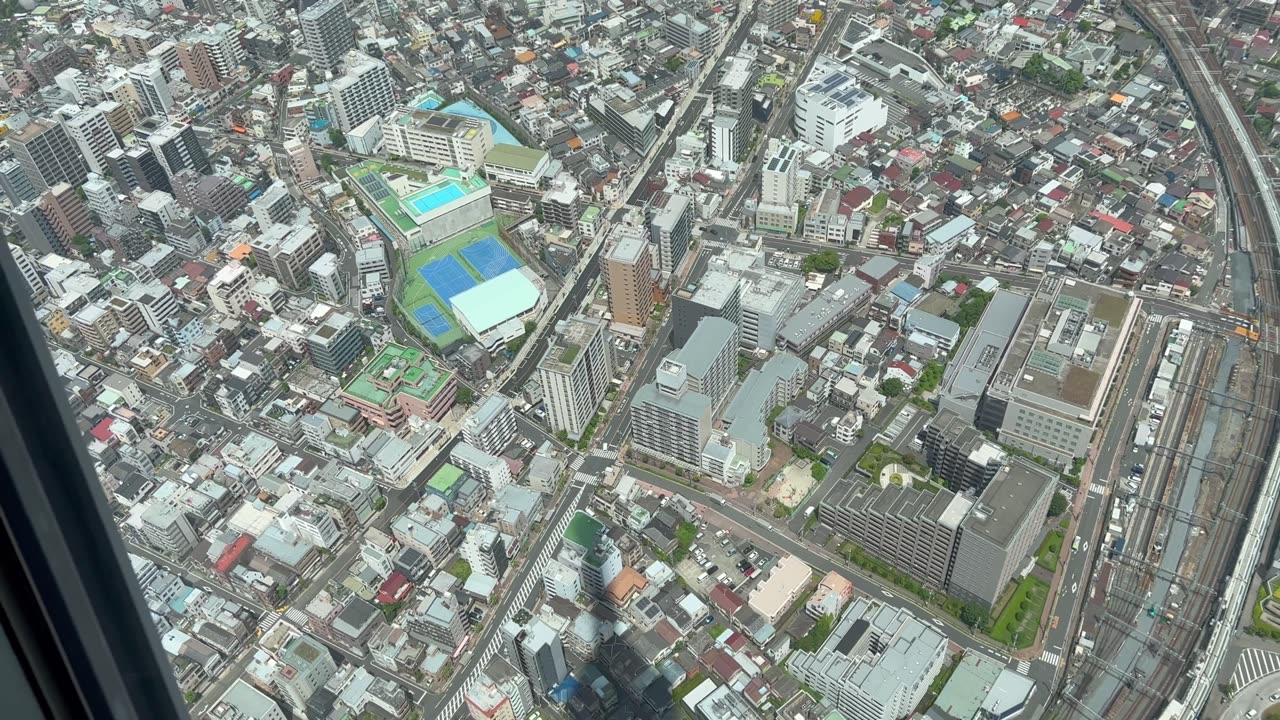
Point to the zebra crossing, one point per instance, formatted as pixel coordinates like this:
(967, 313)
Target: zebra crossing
(267, 621)
(585, 478)
(1051, 657)
(1098, 489)
(531, 581)
(1024, 667)
(1254, 664)
(605, 454)
(578, 460)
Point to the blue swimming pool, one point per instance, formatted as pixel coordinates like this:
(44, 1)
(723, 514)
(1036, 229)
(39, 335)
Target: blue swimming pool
(426, 203)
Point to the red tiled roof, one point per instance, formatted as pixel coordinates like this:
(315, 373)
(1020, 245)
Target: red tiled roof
(102, 430)
(231, 554)
(394, 588)
(725, 599)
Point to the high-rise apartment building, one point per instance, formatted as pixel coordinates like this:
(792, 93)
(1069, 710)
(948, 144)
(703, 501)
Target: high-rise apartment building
(779, 190)
(365, 90)
(876, 664)
(138, 167)
(629, 267)
(229, 289)
(491, 426)
(152, 87)
(94, 137)
(484, 551)
(167, 529)
(773, 14)
(336, 343)
(15, 183)
(490, 470)
(670, 218)
(959, 454)
(193, 58)
(669, 420)
(768, 298)
(301, 162)
(326, 278)
(625, 116)
(286, 252)
(327, 33)
(47, 154)
(438, 138)
(538, 653)
(575, 373)
(303, 669)
(177, 148)
(500, 693)
(27, 266)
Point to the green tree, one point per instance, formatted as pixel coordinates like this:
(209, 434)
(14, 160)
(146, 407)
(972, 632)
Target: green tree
(824, 262)
(466, 395)
(460, 569)
(891, 388)
(1057, 505)
(1085, 26)
(974, 616)
(945, 28)
(530, 326)
(281, 592)
(818, 471)
(337, 138)
(380, 503)
(191, 696)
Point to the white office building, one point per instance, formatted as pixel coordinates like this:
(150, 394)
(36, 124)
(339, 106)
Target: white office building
(151, 87)
(575, 373)
(91, 132)
(366, 90)
(492, 471)
(491, 426)
(326, 278)
(831, 108)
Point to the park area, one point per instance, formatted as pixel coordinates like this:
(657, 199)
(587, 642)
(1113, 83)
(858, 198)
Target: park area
(1019, 620)
(879, 456)
(434, 275)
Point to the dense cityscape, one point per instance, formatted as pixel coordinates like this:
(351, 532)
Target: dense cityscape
(752, 359)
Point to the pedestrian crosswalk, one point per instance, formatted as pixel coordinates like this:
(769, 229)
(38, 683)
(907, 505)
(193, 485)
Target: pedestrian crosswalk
(578, 460)
(585, 478)
(606, 454)
(1024, 667)
(1254, 664)
(1098, 489)
(1051, 657)
(267, 621)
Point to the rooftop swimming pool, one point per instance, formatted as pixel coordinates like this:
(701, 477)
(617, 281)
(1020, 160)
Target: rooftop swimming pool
(424, 201)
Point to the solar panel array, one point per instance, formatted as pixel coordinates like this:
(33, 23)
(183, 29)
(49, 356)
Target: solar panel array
(375, 186)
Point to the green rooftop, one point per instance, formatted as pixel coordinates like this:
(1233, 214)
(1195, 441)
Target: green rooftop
(445, 478)
(570, 353)
(583, 530)
(515, 156)
(398, 369)
(590, 214)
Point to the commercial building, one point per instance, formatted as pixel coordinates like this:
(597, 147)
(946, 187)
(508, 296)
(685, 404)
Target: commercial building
(243, 701)
(773, 14)
(670, 218)
(768, 299)
(831, 108)
(785, 582)
(1047, 394)
(214, 194)
(959, 454)
(779, 190)
(304, 667)
(336, 343)
(327, 33)
(998, 534)
(47, 154)
(836, 304)
(980, 354)
(138, 167)
(15, 183)
(575, 373)
(439, 138)
(626, 117)
(537, 652)
(437, 618)
(562, 202)
(151, 87)
(876, 664)
(716, 294)
(669, 420)
(491, 426)
(589, 550)
(914, 530)
(167, 529)
(629, 270)
(364, 91)
(943, 332)
(516, 166)
(286, 252)
(400, 382)
(710, 359)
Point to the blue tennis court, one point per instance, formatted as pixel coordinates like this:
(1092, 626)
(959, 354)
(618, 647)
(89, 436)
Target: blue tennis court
(429, 317)
(489, 257)
(447, 277)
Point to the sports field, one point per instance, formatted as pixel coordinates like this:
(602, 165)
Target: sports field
(434, 274)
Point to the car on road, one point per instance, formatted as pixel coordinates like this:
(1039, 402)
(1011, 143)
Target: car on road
(1275, 697)
(1251, 713)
